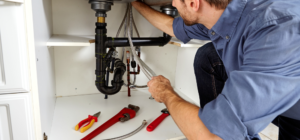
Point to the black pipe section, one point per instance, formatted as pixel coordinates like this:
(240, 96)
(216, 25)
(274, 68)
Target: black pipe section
(151, 41)
(117, 81)
(107, 79)
(103, 59)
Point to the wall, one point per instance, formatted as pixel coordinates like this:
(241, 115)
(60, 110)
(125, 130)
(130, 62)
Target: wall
(75, 66)
(185, 77)
(42, 19)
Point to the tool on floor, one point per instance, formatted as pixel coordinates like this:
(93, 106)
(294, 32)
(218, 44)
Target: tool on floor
(155, 123)
(124, 115)
(131, 133)
(90, 120)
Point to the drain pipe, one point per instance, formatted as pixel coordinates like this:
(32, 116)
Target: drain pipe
(151, 41)
(103, 59)
(102, 42)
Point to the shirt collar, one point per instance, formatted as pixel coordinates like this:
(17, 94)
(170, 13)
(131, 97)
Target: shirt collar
(227, 23)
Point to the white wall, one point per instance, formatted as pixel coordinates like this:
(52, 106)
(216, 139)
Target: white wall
(45, 65)
(185, 77)
(75, 66)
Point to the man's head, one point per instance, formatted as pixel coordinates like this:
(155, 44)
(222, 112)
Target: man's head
(191, 10)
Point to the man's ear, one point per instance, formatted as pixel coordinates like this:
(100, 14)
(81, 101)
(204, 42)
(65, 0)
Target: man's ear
(195, 4)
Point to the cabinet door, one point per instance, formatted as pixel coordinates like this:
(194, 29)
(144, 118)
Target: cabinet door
(5, 122)
(16, 117)
(13, 49)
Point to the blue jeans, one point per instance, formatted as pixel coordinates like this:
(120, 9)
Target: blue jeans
(211, 77)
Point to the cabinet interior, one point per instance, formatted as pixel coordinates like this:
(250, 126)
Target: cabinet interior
(66, 65)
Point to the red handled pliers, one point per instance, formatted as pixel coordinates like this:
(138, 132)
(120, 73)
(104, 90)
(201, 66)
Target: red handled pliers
(90, 120)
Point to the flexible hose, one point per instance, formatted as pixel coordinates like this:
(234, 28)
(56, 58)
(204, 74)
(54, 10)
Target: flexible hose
(131, 30)
(140, 62)
(128, 21)
(149, 73)
(127, 24)
(125, 28)
(123, 21)
(130, 134)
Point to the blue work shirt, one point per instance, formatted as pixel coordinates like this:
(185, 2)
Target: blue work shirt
(259, 44)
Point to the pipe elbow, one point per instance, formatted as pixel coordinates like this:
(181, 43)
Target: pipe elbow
(116, 87)
(117, 82)
(166, 39)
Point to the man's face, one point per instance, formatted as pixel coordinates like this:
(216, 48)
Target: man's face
(188, 15)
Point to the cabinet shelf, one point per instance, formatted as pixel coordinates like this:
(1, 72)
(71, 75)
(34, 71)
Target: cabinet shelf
(69, 40)
(193, 43)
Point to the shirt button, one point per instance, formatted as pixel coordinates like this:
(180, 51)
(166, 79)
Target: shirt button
(227, 37)
(213, 33)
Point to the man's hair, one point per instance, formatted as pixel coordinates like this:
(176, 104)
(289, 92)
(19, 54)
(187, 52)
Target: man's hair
(219, 4)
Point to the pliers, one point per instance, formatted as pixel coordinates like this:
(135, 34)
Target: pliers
(90, 120)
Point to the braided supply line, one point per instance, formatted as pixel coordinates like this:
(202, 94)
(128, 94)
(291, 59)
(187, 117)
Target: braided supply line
(131, 133)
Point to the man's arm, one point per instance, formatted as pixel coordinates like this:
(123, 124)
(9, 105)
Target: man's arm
(183, 113)
(157, 19)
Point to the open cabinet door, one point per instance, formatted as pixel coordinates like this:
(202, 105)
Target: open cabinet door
(13, 49)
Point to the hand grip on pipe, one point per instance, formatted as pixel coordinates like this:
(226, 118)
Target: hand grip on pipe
(156, 122)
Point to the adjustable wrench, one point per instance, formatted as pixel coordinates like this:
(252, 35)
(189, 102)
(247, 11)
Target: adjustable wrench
(155, 123)
(124, 115)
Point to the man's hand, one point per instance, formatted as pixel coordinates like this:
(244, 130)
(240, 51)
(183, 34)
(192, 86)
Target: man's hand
(184, 114)
(157, 19)
(161, 89)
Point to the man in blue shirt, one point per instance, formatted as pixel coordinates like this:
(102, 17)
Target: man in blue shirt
(247, 77)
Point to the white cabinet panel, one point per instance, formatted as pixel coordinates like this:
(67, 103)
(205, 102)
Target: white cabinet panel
(18, 1)
(16, 117)
(2, 75)
(13, 49)
(5, 123)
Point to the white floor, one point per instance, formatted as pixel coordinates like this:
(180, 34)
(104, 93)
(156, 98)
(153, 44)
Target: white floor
(71, 110)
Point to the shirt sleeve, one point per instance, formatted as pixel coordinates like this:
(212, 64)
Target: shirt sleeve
(265, 86)
(186, 33)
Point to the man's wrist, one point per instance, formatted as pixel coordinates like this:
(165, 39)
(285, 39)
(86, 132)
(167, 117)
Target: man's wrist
(172, 97)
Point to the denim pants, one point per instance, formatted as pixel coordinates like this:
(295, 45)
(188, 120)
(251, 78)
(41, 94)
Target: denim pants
(211, 77)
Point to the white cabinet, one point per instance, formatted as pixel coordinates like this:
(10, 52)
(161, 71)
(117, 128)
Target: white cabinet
(16, 117)
(5, 122)
(13, 49)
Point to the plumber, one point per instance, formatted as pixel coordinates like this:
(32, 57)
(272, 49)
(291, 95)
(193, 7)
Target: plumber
(247, 77)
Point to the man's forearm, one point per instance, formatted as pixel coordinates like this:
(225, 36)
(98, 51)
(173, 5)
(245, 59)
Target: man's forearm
(157, 19)
(186, 117)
